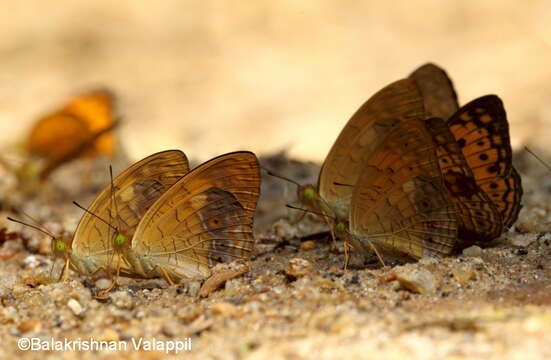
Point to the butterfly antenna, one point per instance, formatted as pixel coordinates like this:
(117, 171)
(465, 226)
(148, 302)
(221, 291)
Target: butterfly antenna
(537, 158)
(113, 199)
(94, 215)
(310, 211)
(32, 226)
(269, 172)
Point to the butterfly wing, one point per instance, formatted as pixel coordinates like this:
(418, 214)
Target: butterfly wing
(82, 127)
(205, 218)
(399, 202)
(479, 218)
(398, 101)
(437, 90)
(482, 132)
(97, 108)
(136, 189)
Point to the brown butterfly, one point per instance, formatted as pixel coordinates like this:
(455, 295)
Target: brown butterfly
(399, 101)
(81, 128)
(431, 187)
(205, 218)
(116, 210)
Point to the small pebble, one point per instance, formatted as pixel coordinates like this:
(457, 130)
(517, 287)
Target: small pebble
(417, 280)
(463, 276)
(308, 245)
(193, 288)
(75, 306)
(523, 240)
(473, 251)
(30, 325)
(298, 267)
(122, 300)
(103, 283)
(223, 308)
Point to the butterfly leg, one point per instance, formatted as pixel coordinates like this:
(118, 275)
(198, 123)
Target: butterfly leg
(103, 294)
(166, 276)
(300, 218)
(64, 271)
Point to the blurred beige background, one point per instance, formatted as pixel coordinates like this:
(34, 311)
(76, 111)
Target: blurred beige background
(212, 76)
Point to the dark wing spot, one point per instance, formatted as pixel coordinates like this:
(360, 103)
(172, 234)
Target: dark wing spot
(493, 186)
(214, 222)
(461, 142)
(480, 143)
(483, 157)
(492, 169)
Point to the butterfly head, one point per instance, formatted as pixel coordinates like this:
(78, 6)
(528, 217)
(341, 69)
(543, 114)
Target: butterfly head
(307, 194)
(61, 246)
(121, 239)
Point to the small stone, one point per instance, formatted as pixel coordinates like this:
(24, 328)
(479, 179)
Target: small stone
(193, 288)
(75, 307)
(107, 335)
(30, 325)
(103, 283)
(19, 290)
(31, 262)
(308, 245)
(284, 230)
(523, 240)
(223, 308)
(298, 267)
(463, 276)
(428, 260)
(473, 251)
(417, 280)
(122, 300)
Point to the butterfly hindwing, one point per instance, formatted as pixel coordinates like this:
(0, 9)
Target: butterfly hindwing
(482, 132)
(479, 218)
(399, 200)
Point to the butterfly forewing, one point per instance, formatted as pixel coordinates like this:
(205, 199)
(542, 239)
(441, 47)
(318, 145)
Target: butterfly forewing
(398, 101)
(206, 217)
(135, 190)
(399, 201)
(437, 90)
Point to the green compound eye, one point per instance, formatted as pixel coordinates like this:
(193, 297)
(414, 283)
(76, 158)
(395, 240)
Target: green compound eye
(59, 245)
(308, 194)
(340, 227)
(120, 239)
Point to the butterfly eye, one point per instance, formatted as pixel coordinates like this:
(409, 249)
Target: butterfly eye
(59, 245)
(308, 194)
(340, 227)
(120, 240)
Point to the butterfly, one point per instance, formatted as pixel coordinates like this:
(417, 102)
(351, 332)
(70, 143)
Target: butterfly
(432, 186)
(399, 101)
(81, 128)
(157, 218)
(118, 209)
(427, 92)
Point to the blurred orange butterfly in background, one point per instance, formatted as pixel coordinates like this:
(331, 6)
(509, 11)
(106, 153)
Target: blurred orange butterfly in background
(81, 128)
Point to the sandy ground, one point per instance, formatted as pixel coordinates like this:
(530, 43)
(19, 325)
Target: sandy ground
(210, 77)
(296, 302)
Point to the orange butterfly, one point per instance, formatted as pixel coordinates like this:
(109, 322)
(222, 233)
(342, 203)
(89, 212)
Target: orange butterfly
(81, 128)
